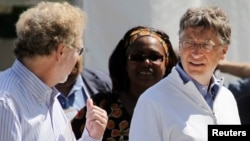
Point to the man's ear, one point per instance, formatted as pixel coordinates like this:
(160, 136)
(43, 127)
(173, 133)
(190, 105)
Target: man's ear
(224, 52)
(59, 50)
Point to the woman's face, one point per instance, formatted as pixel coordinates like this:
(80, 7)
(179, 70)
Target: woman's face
(146, 62)
(71, 59)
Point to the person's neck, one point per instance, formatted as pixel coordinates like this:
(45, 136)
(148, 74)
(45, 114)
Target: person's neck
(42, 68)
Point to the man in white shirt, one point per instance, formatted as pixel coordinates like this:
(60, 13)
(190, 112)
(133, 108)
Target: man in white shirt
(181, 106)
(49, 43)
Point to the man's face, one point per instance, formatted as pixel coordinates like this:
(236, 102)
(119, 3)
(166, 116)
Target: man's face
(200, 52)
(73, 75)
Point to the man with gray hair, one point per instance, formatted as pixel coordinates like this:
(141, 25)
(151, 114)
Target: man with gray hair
(181, 106)
(49, 43)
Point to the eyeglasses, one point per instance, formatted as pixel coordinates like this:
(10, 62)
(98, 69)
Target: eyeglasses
(142, 57)
(191, 45)
(79, 50)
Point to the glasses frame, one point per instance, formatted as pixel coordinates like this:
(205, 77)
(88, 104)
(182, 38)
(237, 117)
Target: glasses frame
(144, 57)
(192, 44)
(79, 50)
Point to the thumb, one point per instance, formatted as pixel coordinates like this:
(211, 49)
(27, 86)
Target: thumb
(89, 103)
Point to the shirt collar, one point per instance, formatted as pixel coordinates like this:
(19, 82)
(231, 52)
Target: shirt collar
(182, 73)
(214, 85)
(35, 87)
(77, 86)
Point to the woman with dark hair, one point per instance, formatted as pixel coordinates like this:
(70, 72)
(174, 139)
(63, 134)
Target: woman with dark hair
(142, 58)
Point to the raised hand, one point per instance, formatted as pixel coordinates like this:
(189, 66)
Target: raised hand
(96, 120)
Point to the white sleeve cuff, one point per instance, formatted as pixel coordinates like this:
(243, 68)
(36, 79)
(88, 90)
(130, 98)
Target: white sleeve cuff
(86, 137)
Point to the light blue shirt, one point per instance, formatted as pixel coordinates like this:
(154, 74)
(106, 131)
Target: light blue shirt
(75, 100)
(30, 110)
(208, 92)
(75, 97)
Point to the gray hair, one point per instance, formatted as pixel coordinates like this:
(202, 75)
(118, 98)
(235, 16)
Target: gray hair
(42, 27)
(209, 18)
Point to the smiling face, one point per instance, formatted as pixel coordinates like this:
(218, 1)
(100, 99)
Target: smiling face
(147, 62)
(199, 63)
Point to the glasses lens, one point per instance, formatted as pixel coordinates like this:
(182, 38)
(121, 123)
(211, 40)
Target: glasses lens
(187, 44)
(136, 57)
(141, 58)
(207, 46)
(155, 58)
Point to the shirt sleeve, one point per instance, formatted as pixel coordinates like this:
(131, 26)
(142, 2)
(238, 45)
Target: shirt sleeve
(10, 129)
(86, 137)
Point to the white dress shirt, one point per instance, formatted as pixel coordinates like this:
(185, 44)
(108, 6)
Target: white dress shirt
(30, 110)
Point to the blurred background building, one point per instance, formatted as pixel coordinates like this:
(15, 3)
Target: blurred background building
(108, 20)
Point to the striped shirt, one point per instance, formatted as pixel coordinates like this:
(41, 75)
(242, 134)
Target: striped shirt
(29, 109)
